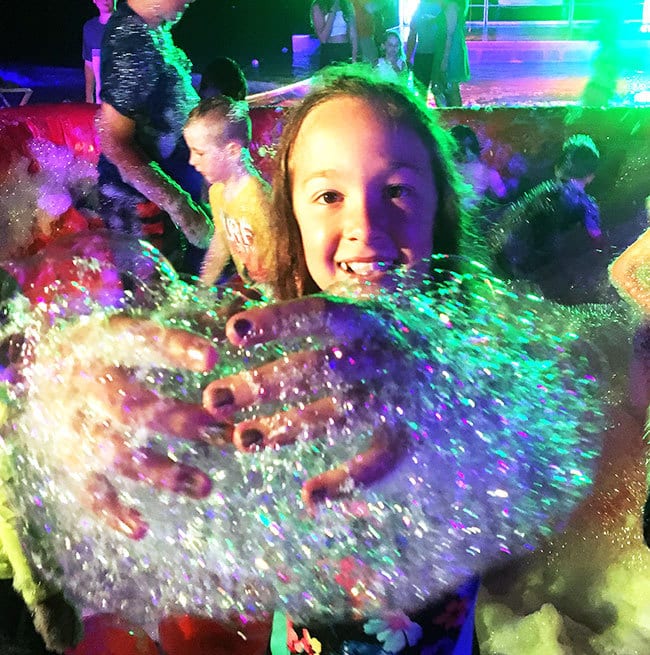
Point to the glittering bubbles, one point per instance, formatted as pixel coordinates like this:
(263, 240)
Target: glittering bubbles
(496, 414)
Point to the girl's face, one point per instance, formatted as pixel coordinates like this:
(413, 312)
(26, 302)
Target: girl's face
(392, 48)
(363, 193)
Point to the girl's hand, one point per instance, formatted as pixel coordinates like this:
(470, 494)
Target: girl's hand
(85, 376)
(97, 405)
(360, 361)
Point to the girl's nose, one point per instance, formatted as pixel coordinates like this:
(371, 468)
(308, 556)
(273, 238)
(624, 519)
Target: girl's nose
(363, 219)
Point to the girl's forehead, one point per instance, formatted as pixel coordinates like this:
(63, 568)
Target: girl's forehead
(349, 126)
(336, 110)
(335, 115)
(351, 116)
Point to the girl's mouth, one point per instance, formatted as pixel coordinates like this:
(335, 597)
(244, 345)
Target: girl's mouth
(365, 269)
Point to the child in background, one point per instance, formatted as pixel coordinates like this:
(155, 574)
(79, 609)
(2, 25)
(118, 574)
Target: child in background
(336, 28)
(486, 181)
(552, 236)
(392, 66)
(223, 77)
(424, 46)
(218, 134)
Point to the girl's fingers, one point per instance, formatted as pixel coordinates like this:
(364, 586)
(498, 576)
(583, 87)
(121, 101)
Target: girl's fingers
(182, 349)
(129, 403)
(308, 316)
(143, 465)
(332, 484)
(157, 470)
(283, 428)
(102, 499)
(386, 449)
(296, 376)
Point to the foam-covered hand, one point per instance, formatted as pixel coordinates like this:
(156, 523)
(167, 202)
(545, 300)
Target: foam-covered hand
(84, 379)
(346, 341)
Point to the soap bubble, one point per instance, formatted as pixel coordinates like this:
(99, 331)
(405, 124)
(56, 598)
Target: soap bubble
(495, 403)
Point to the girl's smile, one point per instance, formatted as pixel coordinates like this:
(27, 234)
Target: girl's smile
(362, 191)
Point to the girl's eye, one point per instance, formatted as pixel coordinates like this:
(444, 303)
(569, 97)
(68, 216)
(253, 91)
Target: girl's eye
(329, 197)
(397, 191)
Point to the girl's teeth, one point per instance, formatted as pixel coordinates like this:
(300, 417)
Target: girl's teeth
(364, 268)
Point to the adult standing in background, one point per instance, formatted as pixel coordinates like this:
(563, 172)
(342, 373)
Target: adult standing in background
(93, 31)
(454, 66)
(365, 12)
(436, 46)
(145, 181)
(335, 26)
(424, 47)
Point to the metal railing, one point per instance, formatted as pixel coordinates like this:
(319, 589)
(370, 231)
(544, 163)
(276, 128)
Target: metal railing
(634, 14)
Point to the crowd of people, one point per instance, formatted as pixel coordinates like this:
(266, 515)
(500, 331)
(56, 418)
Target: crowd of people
(367, 183)
(348, 31)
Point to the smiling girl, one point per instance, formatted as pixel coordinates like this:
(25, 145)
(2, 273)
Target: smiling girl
(365, 187)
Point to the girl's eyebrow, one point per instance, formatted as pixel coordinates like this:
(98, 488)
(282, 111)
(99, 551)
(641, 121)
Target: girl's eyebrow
(326, 172)
(394, 166)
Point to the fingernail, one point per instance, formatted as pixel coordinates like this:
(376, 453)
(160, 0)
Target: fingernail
(221, 396)
(251, 437)
(242, 327)
(318, 495)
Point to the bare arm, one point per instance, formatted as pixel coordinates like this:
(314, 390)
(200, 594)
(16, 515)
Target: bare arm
(89, 77)
(217, 255)
(411, 41)
(497, 186)
(117, 142)
(353, 38)
(322, 27)
(451, 16)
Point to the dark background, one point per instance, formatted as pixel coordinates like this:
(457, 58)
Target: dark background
(49, 33)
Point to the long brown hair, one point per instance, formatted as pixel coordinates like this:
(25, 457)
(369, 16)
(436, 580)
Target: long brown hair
(398, 106)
